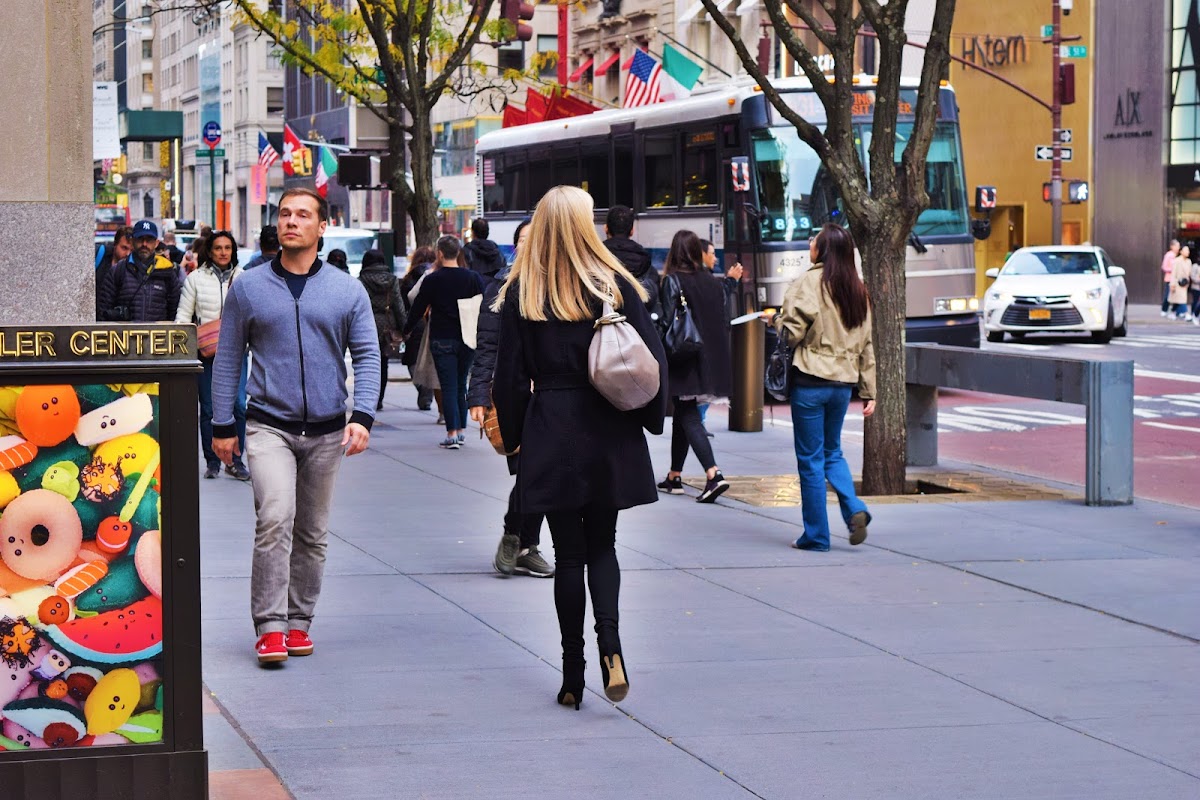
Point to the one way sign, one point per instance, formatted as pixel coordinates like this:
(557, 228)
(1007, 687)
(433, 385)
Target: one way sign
(1045, 152)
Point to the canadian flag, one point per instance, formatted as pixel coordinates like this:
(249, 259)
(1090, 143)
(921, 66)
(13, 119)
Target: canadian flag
(291, 145)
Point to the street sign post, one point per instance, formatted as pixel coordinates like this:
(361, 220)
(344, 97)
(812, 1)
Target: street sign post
(1073, 51)
(212, 137)
(1045, 152)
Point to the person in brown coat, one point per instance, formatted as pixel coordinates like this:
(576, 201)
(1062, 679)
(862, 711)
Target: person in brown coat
(582, 459)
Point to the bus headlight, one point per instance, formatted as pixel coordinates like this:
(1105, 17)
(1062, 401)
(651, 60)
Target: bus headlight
(955, 305)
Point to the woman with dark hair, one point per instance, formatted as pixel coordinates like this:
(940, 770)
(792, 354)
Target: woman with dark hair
(418, 264)
(339, 260)
(706, 377)
(201, 301)
(440, 292)
(388, 309)
(827, 316)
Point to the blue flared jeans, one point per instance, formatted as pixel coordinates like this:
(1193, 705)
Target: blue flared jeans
(817, 416)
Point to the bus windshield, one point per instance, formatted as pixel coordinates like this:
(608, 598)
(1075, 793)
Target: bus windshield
(796, 194)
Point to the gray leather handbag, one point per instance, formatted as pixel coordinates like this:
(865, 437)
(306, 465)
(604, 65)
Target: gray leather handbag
(620, 365)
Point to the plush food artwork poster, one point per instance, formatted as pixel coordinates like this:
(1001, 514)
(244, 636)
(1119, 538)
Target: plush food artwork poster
(81, 623)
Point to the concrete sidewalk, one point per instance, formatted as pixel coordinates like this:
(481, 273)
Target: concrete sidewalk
(969, 649)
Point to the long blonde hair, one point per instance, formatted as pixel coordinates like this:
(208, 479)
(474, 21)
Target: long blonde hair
(564, 262)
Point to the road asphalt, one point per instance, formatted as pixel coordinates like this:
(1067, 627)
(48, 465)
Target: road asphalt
(1035, 649)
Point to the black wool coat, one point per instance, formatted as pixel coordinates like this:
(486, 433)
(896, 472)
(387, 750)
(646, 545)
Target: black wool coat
(577, 449)
(711, 372)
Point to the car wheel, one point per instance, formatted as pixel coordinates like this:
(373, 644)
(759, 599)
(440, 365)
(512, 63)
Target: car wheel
(1105, 336)
(1123, 328)
(995, 336)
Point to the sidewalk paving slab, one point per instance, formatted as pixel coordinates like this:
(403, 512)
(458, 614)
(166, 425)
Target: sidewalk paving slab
(1035, 649)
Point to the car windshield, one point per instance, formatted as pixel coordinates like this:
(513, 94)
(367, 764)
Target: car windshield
(353, 246)
(1052, 262)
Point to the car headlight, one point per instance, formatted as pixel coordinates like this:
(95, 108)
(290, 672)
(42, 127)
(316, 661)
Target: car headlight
(1090, 294)
(1000, 297)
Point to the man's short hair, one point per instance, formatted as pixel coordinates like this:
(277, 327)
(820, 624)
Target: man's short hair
(268, 238)
(304, 191)
(123, 233)
(620, 221)
(449, 247)
(479, 228)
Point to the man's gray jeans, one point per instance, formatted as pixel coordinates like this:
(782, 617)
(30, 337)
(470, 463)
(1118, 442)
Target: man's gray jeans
(293, 486)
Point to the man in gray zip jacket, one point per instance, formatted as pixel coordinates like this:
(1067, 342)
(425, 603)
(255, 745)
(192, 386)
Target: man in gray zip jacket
(298, 317)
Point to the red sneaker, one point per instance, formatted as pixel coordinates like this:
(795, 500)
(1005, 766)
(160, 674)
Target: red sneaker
(271, 649)
(298, 643)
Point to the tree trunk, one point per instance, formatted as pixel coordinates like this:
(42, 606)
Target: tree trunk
(882, 247)
(424, 207)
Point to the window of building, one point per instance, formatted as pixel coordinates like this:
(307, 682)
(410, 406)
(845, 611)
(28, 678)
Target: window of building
(1185, 95)
(660, 158)
(510, 56)
(148, 154)
(147, 205)
(548, 44)
(274, 100)
(147, 48)
(148, 83)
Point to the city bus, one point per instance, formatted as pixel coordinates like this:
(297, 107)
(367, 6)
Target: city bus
(724, 164)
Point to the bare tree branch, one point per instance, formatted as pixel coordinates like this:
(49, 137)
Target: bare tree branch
(937, 57)
(891, 38)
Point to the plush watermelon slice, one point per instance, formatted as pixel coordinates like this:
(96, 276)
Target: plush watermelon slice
(123, 636)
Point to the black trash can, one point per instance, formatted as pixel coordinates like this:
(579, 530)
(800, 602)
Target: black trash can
(100, 684)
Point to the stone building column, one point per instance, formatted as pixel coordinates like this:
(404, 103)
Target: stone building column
(46, 217)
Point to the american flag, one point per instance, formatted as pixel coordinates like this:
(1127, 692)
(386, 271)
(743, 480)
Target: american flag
(266, 154)
(641, 87)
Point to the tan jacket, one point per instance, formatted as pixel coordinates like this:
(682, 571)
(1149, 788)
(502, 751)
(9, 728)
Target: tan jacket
(1182, 268)
(824, 347)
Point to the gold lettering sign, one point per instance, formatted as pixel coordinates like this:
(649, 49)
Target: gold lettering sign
(98, 343)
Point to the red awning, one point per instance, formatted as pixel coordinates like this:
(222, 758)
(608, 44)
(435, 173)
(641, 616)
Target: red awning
(607, 63)
(578, 73)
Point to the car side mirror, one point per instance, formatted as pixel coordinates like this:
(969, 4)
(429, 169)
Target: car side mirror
(1116, 272)
(993, 273)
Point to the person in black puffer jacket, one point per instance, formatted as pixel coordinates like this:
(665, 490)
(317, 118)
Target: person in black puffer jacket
(145, 286)
(386, 306)
(481, 253)
(518, 548)
(618, 226)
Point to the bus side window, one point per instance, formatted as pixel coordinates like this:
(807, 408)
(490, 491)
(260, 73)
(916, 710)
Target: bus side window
(623, 172)
(510, 174)
(700, 168)
(566, 165)
(595, 172)
(541, 175)
(661, 172)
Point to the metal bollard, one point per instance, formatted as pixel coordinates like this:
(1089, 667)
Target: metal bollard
(746, 405)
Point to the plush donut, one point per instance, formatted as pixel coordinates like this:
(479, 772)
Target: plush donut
(47, 415)
(40, 535)
(16, 452)
(8, 488)
(112, 535)
(119, 418)
(62, 478)
(80, 579)
(148, 558)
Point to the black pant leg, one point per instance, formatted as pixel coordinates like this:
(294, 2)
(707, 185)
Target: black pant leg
(570, 558)
(603, 570)
(687, 421)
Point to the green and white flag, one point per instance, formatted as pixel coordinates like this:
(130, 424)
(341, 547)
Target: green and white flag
(326, 169)
(681, 73)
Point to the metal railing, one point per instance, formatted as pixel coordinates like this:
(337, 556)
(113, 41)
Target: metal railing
(1104, 388)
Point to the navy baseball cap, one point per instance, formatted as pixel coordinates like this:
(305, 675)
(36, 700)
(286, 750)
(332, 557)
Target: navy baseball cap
(145, 227)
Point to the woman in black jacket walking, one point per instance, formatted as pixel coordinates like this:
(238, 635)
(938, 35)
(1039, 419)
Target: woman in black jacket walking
(706, 377)
(384, 290)
(582, 460)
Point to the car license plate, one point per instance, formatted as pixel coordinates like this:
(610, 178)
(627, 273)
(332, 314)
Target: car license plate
(1039, 313)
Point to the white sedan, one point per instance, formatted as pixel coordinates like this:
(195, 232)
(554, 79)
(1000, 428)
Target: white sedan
(1056, 288)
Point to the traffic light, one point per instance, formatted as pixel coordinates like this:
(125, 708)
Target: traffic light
(518, 13)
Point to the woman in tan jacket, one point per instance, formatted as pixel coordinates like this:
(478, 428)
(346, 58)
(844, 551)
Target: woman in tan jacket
(1181, 274)
(827, 316)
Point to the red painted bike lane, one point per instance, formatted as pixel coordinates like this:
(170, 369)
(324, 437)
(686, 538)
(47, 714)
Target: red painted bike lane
(1166, 446)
